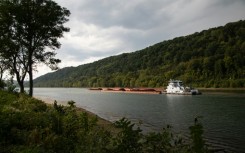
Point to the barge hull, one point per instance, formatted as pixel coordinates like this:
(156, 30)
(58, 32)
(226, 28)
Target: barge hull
(184, 93)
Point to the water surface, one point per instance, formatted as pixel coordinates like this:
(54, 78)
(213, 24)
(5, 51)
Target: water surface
(223, 114)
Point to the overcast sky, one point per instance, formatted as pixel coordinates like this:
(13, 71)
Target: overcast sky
(102, 28)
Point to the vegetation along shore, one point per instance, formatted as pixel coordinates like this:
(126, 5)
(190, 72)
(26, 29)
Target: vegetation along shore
(30, 125)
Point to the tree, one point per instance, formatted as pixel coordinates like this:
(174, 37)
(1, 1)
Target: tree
(30, 30)
(13, 58)
(3, 67)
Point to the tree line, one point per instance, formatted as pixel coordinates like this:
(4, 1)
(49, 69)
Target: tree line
(29, 32)
(210, 58)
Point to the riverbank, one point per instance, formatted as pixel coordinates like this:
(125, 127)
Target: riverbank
(240, 91)
(222, 89)
(101, 122)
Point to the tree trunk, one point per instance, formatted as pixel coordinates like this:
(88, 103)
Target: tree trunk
(20, 82)
(22, 89)
(31, 81)
(18, 77)
(30, 64)
(1, 73)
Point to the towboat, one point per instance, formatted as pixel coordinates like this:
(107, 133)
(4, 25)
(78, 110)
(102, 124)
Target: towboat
(177, 87)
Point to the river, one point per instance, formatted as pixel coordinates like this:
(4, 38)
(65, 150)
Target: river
(222, 113)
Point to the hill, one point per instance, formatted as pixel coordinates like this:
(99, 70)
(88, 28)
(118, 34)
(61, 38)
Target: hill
(210, 58)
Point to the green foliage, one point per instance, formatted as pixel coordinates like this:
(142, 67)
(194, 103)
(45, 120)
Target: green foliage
(10, 86)
(2, 84)
(211, 58)
(29, 125)
(27, 29)
(128, 139)
(71, 103)
(165, 141)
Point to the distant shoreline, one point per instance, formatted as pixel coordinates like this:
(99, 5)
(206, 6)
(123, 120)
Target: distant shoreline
(156, 88)
(222, 89)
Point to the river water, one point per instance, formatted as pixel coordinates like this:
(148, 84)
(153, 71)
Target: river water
(223, 114)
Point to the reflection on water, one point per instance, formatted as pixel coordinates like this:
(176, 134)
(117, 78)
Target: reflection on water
(222, 113)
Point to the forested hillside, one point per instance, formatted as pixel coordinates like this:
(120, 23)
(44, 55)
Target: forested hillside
(211, 58)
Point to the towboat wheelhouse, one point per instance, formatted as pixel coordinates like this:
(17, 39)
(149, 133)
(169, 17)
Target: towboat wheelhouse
(177, 87)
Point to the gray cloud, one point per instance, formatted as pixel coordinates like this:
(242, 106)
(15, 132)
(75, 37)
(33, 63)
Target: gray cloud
(109, 27)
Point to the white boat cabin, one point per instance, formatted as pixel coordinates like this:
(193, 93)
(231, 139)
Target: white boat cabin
(177, 87)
